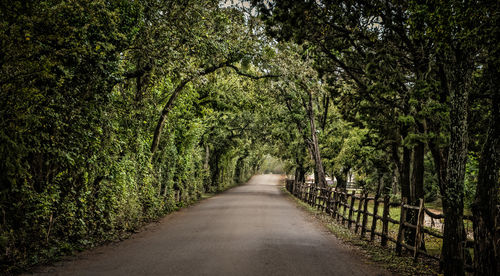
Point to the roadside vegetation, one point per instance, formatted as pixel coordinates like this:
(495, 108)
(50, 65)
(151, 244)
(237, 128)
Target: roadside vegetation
(381, 256)
(114, 113)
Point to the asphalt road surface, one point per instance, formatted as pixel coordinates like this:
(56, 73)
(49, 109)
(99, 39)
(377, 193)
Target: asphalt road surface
(254, 229)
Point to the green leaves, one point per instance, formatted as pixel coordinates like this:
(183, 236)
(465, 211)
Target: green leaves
(82, 86)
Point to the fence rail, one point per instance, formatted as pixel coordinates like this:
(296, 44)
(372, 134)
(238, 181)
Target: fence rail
(352, 210)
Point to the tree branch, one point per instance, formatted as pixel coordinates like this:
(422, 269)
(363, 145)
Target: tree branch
(175, 93)
(182, 84)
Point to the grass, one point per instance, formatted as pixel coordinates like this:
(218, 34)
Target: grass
(433, 245)
(382, 256)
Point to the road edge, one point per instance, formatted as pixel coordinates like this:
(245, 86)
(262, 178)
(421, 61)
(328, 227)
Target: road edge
(373, 254)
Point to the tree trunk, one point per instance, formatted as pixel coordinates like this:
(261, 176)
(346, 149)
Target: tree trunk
(326, 103)
(207, 157)
(237, 169)
(318, 164)
(418, 171)
(341, 182)
(416, 190)
(486, 199)
(300, 174)
(164, 114)
(398, 172)
(214, 170)
(394, 183)
(453, 191)
(178, 89)
(405, 173)
(406, 192)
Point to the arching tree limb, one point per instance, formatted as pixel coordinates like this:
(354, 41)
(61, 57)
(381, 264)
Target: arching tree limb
(164, 113)
(168, 106)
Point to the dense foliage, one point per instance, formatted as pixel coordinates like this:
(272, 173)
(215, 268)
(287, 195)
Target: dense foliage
(114, 113)
(415, 80)
(82, 87)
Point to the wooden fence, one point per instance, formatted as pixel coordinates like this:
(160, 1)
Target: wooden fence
(352, 208)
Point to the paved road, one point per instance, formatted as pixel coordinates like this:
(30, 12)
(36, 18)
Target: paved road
(252, 229)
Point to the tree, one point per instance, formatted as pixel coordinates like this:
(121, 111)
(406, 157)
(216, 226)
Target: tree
(421, 59)
(297, 89)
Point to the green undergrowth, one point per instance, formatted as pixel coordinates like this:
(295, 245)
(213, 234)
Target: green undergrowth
(385, 257)
(123, 235)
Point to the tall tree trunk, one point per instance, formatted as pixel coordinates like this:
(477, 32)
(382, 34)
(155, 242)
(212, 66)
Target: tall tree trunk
(405, 170)
(398, 173)
(458, 85)
(406, 191)
(418, 172)
(318, 164)
(326, 103)
(394, 183)
(214, 170)
(486, 199)
(342, 180)
(300, 173)
(239, 165)
(416, 189)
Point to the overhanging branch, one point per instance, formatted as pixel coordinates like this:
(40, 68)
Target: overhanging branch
(180, 87)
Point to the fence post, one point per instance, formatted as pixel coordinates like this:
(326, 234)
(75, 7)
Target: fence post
(320, 198)
(385, 221)
(351, 207)
(316, 197)
(328, 203)
(374, 221)
(401, 230)
(313, 196)
(327, 200)
(306, 192)
(312, 190)
(332, 200)
(302, 191)
(365, 216)
(419, 233)
(334, 207)
(326, 196)
(344, 204)
(339, 205)
(358, 215)
(310, 194)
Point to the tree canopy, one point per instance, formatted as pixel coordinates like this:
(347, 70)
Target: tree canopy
(114, 113)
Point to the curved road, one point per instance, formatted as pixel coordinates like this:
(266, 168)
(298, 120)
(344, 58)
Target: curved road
(252, 229)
